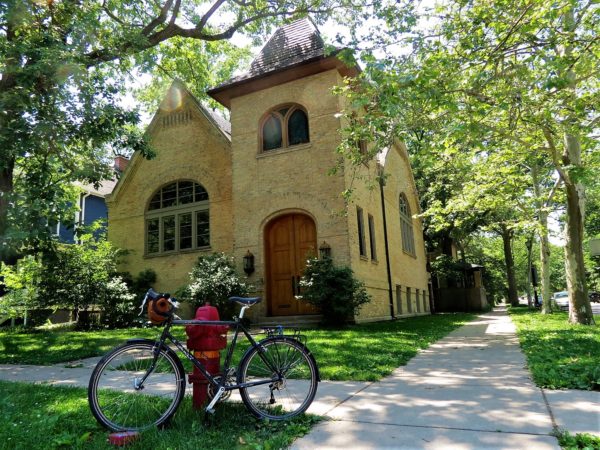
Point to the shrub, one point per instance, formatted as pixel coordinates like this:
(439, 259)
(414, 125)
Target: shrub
(119, 306)
(213, 280)
(75, 277)
(19, 282)
(334, 290)
(139, 284)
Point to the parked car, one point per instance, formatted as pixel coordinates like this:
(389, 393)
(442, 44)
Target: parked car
(562, 299)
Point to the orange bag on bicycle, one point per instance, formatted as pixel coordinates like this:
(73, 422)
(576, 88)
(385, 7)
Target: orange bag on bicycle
(159, 310)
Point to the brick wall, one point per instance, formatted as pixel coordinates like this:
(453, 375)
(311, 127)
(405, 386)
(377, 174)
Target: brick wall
(188, 147)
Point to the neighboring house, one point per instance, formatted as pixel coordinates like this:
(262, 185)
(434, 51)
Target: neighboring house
(261, 186)
(91, 207)
(91, 204)
(461, 291)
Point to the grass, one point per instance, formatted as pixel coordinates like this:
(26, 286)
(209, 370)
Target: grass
(559, 355)
(582, 441)
(44, 417)
(372, 351)
(359, 353)
(46, 347)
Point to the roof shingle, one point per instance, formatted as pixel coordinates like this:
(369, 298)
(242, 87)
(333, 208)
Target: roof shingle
(291, 44)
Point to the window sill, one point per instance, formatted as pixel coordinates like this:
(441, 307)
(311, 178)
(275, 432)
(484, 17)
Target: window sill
(412, 255)
(177, 253)
(364, 258)
(279, 151)
(374, 261)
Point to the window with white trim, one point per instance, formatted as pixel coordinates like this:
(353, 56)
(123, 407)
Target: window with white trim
(177, 219)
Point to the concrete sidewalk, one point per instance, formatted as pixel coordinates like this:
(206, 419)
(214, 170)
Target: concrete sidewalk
(470, 390)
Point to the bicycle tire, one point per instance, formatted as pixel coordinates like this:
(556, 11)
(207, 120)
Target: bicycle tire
(115, 401)
(286, 397)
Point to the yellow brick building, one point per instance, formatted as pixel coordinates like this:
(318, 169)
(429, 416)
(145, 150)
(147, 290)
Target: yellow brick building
(260, 184)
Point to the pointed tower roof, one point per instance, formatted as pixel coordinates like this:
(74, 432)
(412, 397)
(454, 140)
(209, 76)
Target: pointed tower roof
(291, 46)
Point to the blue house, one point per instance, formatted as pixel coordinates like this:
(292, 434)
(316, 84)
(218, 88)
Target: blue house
(91, 203)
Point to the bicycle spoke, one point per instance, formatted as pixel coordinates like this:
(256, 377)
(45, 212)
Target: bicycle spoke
(114, 398)
(284, 397)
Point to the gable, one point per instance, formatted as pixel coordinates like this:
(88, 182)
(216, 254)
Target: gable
(179, 113)
(396, 161)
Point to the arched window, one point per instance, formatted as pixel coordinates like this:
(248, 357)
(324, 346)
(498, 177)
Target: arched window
(284, 127)
(177, 218)
(272, 133)
(406, 226)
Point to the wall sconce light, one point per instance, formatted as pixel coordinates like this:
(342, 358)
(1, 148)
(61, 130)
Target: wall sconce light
(249, 263)
(325, 250)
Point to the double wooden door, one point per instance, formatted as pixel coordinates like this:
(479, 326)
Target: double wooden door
(290, 240)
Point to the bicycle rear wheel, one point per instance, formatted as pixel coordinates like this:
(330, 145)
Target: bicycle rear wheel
(293, 374)
(118, 400)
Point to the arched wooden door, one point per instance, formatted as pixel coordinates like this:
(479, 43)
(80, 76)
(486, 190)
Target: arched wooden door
(289, 241)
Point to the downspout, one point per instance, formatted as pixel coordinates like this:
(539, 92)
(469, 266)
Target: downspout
(385, 240)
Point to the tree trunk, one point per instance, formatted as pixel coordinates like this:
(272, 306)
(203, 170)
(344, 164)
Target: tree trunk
(580, 310)
(6, 188)
(542, 213)
(506, 234)
(529, 244)
(547, 306)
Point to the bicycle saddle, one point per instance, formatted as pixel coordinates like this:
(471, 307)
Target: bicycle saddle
(247, 301)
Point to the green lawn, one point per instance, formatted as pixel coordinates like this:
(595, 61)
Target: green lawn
(360, 352)
(559, 355)
(43, 417)
(372, 351)
(46, 347)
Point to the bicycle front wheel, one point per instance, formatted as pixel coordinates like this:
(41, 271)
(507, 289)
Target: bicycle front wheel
(121, 398)
(290, 377)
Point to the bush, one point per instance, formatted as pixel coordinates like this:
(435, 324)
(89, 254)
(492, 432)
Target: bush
(140, 284)
(213, 280)
(19, 282)
(119, 306)
(333, 290)
(75, 277)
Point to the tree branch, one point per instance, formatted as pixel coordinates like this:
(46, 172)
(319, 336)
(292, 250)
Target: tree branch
(158, 20)
(554, 152)
(208, 15)
(552, 192)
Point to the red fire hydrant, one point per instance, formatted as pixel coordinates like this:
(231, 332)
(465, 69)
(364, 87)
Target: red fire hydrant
(205, 341)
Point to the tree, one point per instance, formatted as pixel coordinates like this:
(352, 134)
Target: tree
(73, 277)
(520, 76)
(63, 66)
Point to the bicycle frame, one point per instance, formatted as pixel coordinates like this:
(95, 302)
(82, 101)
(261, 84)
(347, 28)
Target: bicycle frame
(221, 385)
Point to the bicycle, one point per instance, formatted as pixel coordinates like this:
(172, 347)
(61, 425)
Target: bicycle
(141, 383)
